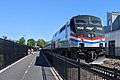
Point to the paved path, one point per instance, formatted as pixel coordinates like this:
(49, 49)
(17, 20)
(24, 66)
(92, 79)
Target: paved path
(33, 67)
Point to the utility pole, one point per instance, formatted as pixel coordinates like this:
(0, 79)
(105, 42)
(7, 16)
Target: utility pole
(25, 39)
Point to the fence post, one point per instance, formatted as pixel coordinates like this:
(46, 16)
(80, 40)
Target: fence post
(5, 62)
(115, 73)
(65, 66)
(78, 68)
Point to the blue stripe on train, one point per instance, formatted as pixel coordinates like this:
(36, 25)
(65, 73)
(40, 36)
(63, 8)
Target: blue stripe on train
(75, 40)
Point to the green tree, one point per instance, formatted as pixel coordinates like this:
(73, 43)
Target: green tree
(31, 42)
(41, 42)
(22, 40)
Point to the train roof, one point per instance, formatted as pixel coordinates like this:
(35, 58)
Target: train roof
(85, 16)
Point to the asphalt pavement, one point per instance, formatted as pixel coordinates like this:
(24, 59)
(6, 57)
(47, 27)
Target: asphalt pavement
(32, 67)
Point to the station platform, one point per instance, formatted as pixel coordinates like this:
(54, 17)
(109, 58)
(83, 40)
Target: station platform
(31, 67)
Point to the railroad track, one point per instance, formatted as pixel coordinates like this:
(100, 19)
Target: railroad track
(105, 72)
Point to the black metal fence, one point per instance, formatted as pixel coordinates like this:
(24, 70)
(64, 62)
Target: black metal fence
(74, 70)
(10, 52)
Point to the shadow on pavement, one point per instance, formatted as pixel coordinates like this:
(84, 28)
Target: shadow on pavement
(41, 61)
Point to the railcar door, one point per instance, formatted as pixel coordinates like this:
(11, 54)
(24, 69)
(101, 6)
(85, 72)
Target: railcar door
(112, 48)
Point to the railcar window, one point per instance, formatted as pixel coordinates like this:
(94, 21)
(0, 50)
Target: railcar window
(62, 28)
(96, 22)
(81, 22)
(55, 34)
(72, 25)
(68, 25)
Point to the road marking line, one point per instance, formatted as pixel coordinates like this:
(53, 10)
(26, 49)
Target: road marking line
(54, 72)
(23, 77)
(4, 69)
(56, 75)
(26, 72)
(28, 68)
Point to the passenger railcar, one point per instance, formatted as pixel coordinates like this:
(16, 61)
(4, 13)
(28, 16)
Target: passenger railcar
(82, 36)
(48, 46)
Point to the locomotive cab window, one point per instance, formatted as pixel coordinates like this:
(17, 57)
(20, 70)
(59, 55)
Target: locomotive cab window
(55, 34)
(95, 22)
(81, 22)
(63, 28)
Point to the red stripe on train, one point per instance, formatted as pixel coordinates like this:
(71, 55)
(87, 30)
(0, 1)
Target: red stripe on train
(82, 37)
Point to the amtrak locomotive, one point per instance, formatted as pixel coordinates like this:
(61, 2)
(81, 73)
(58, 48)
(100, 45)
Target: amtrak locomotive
(82, 36)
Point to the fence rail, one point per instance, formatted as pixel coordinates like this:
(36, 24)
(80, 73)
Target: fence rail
(74, 70)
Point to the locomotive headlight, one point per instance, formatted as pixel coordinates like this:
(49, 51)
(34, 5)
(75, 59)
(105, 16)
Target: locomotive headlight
(101, 44)
(91, 35)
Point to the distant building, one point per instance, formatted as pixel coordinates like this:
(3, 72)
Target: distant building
(112, 34)
(106, 29)
(37, 47)
(113, 21)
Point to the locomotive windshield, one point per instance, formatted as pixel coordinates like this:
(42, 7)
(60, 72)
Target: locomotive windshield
(95, 22)
(88, 21)
(81, 22)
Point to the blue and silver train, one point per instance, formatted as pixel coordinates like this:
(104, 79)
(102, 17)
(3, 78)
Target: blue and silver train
(82, 36)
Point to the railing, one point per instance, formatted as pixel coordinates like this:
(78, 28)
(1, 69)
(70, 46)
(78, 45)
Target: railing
(74, 70)
(10, 52)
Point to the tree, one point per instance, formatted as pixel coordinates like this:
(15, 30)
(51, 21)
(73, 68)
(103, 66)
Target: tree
(41, 42)
(22, 40)
(31, 42)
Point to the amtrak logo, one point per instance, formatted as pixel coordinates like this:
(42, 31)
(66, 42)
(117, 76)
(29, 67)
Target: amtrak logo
(90, 28)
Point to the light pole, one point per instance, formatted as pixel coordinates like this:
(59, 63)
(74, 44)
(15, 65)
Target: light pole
(25, 39)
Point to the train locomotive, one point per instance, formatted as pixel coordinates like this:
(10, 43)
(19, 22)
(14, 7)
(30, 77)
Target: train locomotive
(81, 37)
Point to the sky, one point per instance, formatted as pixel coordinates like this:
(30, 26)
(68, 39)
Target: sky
(40, 19)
